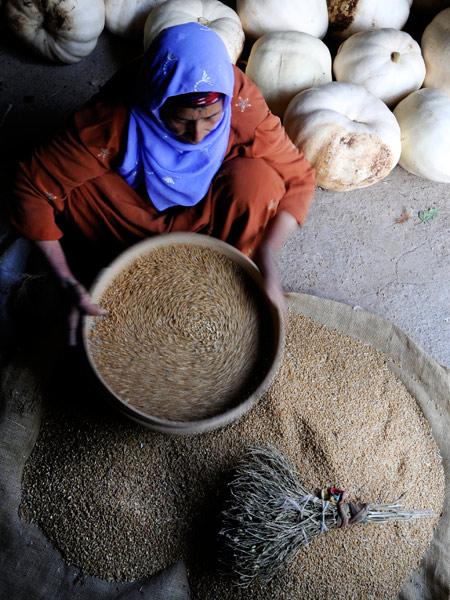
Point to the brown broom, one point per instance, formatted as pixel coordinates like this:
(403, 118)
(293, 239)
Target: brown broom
(269, 515)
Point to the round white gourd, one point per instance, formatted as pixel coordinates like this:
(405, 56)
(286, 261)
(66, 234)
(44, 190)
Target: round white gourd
(127, 17)
(349, 136)
(424, 118)
(60, 30)
(436, 52)
(214, 14)
(387, 62)
(347, 18)
(264, 16)
(285, 63)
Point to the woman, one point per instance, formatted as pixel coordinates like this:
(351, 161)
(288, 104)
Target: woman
(182, 141)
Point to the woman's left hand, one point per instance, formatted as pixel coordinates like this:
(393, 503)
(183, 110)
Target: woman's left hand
(280, 228)
(265, 259)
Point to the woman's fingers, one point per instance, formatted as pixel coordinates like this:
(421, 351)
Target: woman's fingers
(80, 303)
(88, 307)
(267, 263)
(80, 298)
(275, 293)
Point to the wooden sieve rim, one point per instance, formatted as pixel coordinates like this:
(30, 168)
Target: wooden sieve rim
(106, 276)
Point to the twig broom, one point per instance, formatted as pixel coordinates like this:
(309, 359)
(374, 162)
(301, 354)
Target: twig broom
(269, 515)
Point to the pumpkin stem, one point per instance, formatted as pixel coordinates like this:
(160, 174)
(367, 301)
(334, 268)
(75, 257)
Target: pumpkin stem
(203, 21)
(395, 56)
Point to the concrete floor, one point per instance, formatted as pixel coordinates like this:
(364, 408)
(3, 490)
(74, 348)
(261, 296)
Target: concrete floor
(350, 249)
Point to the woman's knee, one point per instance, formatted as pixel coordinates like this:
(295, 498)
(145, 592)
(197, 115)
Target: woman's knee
(250, 179)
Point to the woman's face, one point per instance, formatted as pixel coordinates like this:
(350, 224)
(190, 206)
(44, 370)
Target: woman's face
(192, 125)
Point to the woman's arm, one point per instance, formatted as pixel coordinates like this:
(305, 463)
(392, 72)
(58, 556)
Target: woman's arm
(82, 150)
(260, 134)
(280, 228)
(53, 252)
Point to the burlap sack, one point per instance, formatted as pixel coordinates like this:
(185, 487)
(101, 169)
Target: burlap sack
(429, 383)
(30, 568)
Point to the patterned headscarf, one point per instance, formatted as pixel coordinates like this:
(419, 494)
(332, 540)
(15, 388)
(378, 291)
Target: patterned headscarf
(182, 59)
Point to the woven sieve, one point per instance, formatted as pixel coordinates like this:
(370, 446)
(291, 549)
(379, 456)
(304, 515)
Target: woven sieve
(187, 337)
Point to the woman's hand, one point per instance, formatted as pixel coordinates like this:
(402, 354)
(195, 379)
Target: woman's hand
(80, 303)
(280, 228)
(265, 259)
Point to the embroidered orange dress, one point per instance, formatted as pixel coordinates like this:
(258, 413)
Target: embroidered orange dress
(69, 188)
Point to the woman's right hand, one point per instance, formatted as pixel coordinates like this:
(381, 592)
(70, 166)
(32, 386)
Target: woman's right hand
(80, 303)
(78, 299)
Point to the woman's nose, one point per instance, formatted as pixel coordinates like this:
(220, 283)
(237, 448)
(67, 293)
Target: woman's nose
(197, 132)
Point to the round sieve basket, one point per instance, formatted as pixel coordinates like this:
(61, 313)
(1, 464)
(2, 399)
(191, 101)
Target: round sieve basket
(272, 323)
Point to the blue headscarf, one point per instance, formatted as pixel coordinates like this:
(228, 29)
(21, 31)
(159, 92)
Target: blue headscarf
(182, 59)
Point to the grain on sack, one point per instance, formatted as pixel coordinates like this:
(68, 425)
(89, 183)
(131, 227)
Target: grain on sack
(184, 338)
(122, 502)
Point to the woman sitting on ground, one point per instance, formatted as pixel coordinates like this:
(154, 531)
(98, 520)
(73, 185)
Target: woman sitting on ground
(180, 141)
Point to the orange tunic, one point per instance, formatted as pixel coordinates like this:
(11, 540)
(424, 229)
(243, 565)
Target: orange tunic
(70, 187)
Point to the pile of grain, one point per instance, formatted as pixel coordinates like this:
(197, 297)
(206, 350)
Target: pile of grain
(184, 336)
(122, 502)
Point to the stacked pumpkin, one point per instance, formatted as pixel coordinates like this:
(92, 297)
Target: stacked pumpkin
(59, 30)
(68, 30)
(345, 127)
(212, 13)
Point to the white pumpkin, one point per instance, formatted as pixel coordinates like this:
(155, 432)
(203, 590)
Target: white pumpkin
(436, 52)
(214, 14)
(60, 30)
(285, 63)
(264, 16)
(350, 137)
(127, 17)
(347, 18)
(387, 62)
(424, 118)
